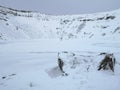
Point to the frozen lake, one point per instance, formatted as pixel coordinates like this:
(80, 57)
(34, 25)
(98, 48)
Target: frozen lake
(32, 65)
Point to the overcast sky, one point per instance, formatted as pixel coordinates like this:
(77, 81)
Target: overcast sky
(58, 7)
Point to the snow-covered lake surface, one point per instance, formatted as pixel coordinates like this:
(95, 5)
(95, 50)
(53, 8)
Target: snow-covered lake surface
(32, 65)
(31, 43)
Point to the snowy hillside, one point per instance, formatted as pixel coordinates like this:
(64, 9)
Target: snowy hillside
(34, 47)
(19, 24)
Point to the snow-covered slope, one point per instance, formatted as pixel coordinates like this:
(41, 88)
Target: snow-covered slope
(19, 24)
(33, 64)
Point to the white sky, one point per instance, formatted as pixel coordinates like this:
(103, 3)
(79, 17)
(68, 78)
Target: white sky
(58, 7)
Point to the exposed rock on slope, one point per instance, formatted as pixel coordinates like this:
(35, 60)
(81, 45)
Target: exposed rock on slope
(19, 24)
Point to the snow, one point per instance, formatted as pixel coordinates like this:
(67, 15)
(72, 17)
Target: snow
(34, 63)
(30, 43)
(17, 25)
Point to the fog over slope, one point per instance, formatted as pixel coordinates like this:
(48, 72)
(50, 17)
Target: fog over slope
(19, 24)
